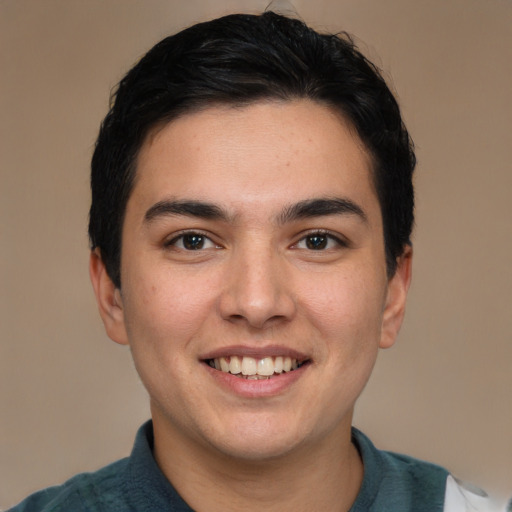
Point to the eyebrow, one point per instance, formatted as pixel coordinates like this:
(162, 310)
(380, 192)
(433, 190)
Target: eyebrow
(310, 208)
(200, 209)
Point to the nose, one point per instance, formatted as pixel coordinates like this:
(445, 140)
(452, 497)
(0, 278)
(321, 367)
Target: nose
(257, 289)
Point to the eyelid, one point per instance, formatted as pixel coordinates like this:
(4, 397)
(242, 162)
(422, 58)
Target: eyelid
(340, 240)
(171, 240)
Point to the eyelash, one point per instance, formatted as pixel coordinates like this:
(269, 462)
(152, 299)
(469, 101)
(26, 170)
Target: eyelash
(326, 235)
(340, 242)
(173, 243)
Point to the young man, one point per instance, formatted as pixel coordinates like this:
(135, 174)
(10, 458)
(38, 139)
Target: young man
(252, 205)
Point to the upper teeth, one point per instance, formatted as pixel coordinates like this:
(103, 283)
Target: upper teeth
(251, 366)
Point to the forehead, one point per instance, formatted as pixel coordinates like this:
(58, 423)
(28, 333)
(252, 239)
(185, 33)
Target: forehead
(262, 155)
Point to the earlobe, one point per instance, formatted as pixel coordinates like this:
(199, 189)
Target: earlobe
(394, 309)
(108, 298)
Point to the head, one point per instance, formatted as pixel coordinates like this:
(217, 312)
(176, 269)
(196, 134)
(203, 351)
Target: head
(240, 60)
(251, 211)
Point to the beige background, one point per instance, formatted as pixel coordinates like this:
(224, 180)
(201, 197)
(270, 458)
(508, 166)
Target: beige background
(70, 399)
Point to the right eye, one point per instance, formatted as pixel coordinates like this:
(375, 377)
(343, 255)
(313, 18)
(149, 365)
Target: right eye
(192, 242)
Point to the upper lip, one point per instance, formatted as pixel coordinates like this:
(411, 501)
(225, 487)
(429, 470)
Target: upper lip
(257, 352)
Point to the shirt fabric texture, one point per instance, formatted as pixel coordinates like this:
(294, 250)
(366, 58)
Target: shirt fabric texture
(391, 482)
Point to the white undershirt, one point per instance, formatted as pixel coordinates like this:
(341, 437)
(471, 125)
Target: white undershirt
(460, 497)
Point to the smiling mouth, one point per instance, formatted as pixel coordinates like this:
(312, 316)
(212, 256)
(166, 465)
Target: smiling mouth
(255, 369)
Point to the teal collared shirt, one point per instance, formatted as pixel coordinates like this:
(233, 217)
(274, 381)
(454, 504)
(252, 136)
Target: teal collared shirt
(391, 482)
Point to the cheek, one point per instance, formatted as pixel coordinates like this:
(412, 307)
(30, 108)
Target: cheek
(348, 297)
(164, 310)
(346, 310)
(162, 320)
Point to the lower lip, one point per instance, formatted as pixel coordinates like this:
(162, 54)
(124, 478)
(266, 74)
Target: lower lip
(248, 388)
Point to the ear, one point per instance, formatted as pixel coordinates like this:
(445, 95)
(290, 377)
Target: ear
(394, 309)
(109, 299)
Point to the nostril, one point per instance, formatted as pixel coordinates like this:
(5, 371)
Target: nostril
(257, 322)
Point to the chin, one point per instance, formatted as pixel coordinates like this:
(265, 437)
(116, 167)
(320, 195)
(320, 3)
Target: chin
(260, 440)
(257, 450)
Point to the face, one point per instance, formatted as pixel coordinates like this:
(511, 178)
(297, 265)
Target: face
(254, 290)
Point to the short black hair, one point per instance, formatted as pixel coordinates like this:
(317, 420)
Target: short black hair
(241, 59)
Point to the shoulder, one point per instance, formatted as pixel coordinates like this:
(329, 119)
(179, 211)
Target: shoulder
(402, 483)
(133, 483)
(84, 492)
(398, 482)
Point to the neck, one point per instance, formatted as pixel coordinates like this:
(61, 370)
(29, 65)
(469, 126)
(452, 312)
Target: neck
(325, 475)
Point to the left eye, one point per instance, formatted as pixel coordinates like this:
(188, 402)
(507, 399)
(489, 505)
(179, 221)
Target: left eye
(192, 242)
(318, 242)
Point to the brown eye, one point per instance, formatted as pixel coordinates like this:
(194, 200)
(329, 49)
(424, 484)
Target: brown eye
(316, 242)
(320, 241)
(191, 242)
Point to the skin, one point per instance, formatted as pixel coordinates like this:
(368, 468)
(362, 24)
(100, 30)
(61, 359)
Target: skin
(255, 287)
